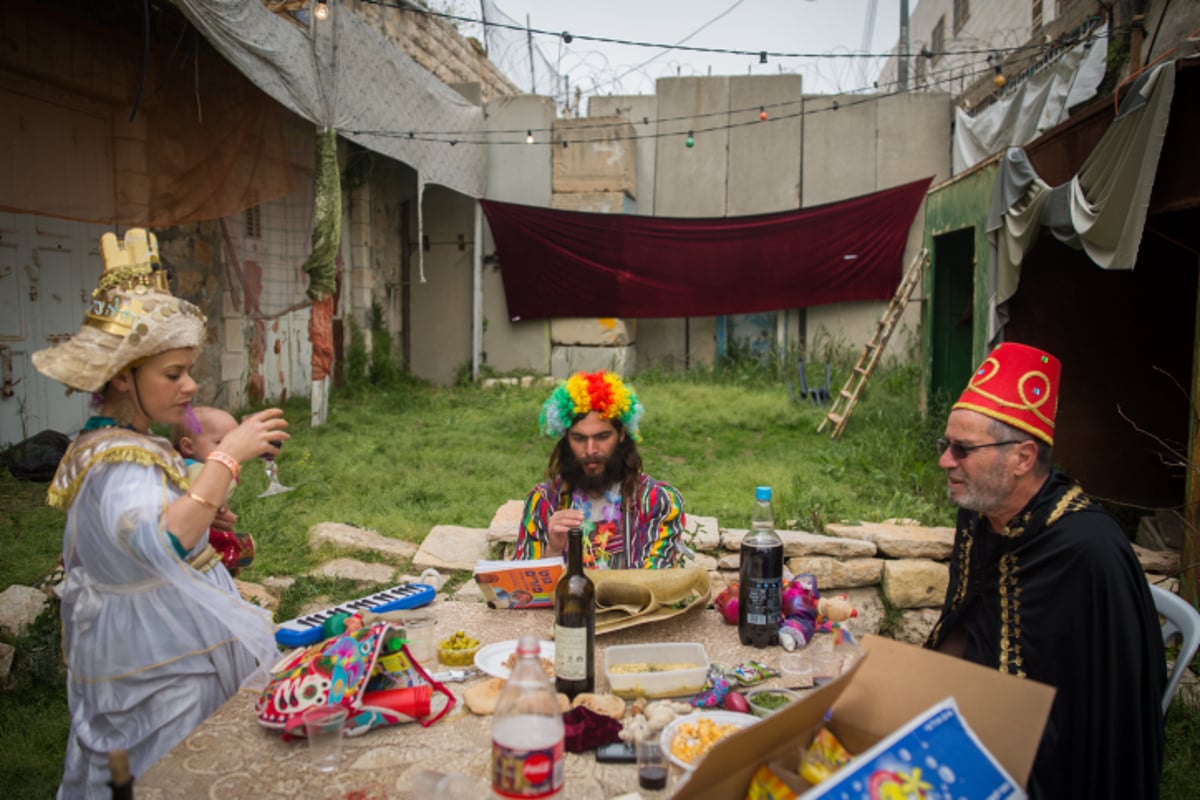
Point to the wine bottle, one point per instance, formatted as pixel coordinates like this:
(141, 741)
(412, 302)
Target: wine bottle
(120, 779)
(574, 623)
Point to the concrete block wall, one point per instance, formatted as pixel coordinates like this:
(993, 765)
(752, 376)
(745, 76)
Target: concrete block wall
(595, 172)
(642, 113)
(865, 145)
(515, 175)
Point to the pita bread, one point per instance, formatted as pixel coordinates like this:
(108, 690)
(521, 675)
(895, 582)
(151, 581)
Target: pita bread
(607, 704)
(481, 698)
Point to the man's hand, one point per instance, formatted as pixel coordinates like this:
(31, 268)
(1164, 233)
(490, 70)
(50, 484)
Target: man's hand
(562, 521)
(225, 519)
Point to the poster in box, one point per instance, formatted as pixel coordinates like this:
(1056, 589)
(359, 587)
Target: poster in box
(879, 694)
(935, 756)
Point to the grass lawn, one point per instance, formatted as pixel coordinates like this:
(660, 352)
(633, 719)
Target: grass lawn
(402, 459)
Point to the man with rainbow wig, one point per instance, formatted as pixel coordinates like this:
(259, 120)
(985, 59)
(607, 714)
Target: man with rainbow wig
(1045, 586)
(595, 481)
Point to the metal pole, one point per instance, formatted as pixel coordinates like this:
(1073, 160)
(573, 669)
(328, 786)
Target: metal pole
(902, 65)
(477, 295)
(529, 42)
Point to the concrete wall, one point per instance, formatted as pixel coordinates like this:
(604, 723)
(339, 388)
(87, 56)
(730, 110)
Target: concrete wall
(441, 304)
(636, 108)
(866, 145)
(516, 174)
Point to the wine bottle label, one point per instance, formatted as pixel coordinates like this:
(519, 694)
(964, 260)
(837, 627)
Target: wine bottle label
(570, 653)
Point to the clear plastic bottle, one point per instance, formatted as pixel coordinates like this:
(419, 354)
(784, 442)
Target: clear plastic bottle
(760, 576)
(527, 731)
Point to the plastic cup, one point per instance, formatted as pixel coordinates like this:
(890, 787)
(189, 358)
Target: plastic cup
(826, 667)
(796, 670)
(323, 726)
(651, 765)
(419, 632)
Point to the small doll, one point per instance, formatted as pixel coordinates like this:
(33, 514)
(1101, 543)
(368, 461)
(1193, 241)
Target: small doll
(799, 606)
(831, 613)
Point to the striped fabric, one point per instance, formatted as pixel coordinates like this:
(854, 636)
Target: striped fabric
(645, 536)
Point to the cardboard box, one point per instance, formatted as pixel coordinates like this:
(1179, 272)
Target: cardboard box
(936, 752)
(890, 685)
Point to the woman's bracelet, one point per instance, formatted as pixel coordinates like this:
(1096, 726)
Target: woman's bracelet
(211, 506)
(225, 460)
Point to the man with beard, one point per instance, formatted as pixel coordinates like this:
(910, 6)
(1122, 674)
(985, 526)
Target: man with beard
(1045, 586)
(595, 481)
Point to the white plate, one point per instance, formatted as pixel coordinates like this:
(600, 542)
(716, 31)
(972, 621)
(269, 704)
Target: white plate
(719, 717)
(491, 658)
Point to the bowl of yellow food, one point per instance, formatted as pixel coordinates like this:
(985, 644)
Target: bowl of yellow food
(687, 739)
(458, 650)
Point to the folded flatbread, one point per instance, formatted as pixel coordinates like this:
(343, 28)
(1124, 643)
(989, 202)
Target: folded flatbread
(628, 597)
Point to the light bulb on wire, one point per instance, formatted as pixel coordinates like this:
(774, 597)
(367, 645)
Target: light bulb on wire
(762, 113)
(321, 11)
(690, 141)
(528, 137)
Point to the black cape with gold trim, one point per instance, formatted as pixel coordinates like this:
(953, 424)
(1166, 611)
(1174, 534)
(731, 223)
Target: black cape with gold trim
(1060, 598)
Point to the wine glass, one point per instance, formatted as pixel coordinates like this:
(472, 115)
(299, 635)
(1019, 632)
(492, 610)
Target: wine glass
(272, 469)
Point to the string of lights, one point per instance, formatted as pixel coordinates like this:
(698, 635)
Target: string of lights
(763, 117)
(763, 55)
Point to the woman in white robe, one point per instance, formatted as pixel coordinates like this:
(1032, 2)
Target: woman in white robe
(155, 634)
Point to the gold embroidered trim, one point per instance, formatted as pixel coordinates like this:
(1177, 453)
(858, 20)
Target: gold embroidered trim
(205, 560)
(62, 497)
(1072, 500)
(963, 557)
(1011, 660)
(112, 445)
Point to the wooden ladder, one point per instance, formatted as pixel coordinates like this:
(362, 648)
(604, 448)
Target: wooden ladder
(845, 401)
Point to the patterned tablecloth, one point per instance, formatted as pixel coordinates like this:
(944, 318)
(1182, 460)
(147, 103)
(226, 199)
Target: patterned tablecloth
(232, 756)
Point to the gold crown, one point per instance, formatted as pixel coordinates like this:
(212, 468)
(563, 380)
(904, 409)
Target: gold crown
(129, 269)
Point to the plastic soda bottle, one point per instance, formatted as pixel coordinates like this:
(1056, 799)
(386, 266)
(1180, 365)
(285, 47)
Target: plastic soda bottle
(760, 576)
(527, 731)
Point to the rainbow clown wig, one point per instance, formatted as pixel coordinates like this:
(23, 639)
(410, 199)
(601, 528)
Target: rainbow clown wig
(584, 392)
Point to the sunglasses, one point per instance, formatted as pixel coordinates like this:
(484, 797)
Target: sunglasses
(961, 451)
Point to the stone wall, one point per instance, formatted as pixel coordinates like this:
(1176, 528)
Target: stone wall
(437, 46)
(894, 573)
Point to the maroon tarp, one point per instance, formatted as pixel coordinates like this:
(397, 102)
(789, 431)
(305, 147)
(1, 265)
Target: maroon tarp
(574, 264)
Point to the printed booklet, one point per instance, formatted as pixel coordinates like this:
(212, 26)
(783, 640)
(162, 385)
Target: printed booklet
(519, 584)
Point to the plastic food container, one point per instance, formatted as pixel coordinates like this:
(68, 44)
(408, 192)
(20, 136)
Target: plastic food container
(661, 674)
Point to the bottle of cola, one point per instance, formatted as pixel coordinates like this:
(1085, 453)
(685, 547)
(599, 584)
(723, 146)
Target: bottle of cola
(760, 576)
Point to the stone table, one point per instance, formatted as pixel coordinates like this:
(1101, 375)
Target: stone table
(232, 756)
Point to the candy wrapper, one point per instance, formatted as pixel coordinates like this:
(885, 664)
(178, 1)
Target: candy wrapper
(717, 688)
(749, 673)
(824, 757)
(767, 785)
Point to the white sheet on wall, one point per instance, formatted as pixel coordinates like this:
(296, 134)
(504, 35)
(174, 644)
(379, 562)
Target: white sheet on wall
(1037, 105)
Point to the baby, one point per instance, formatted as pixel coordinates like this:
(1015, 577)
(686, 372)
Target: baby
(236, 549)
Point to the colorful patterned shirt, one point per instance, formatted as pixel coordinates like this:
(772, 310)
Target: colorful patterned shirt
(646, 536)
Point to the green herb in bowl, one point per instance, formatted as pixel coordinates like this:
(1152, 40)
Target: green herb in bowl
(765, 702)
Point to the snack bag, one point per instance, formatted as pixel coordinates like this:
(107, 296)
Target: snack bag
(824, 757)
(380, 685)
(767, 785)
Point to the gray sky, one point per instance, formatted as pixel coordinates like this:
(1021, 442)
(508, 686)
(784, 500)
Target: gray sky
(792, 26)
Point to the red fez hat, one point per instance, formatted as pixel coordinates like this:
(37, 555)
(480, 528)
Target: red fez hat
(1016, 384)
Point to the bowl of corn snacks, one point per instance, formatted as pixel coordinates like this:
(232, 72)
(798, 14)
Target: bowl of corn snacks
(688, 739)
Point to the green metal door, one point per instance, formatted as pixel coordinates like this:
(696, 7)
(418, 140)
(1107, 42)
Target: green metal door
(953, 303)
